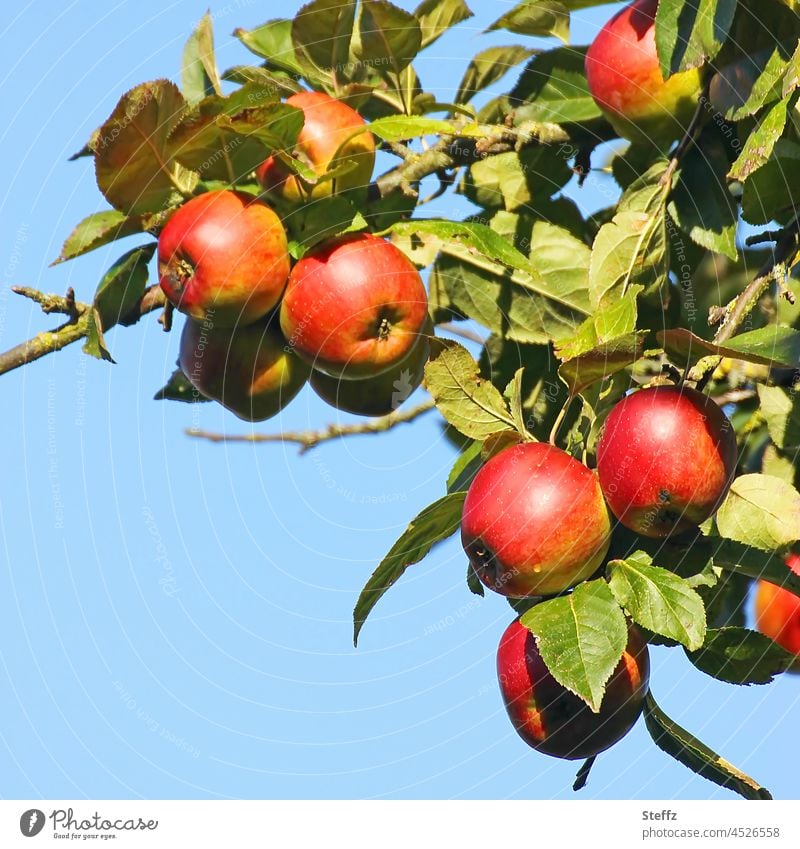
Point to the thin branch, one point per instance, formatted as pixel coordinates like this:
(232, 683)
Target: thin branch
(71, 331)
(308, 439)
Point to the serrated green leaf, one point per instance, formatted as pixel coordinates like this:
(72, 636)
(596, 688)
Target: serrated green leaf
(98, 229)
(602, 361)
(95, 344)
(468, 402)
(604, 325)
(133, 163)
(273, 42)
(283, 85)
(632, 248)
(775, 185)
(761, 511)
(658, 599)
(199, 74)
(123, 285)
(771, 346)
(434, 524)
(782, 412)
(581, 638)
(488, 67)
(761, 142)
(435, 17)
(540, 17)
(389, 37)
(688, 750)
(466, 466)
(741, 656)
(321, 33)
(398, 127)
(688, 34)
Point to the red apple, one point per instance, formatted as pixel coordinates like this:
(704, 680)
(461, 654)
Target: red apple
(534, 521)
(379, 395)
(354, 306)
(778, 612)
(223, 255)
(555, 721)
(666, 459)
(248, 369)
(624, 77)
(325, 142)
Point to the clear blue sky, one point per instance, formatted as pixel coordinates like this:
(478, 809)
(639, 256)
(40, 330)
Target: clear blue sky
(175, 616)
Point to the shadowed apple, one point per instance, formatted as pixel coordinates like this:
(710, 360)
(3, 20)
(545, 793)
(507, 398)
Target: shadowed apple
(778, 612)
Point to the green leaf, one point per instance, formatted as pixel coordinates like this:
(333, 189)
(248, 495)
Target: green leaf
(742, 559)
(514, 395)
(658, 599)
(283, 85)
(632, 248)
(741, 656)
(95, 344)
(553, 89)
(540, 17)
(435, 17)
(199, 74)
(465, 468)
(708, 217)
(398, 127)
(133, 163)
(321, 33)
(606, 324)
(123, 285)
(468, 402)
(581, 638)
(389, 37)
(689, 33)
(488, 67)
(761, 142)
(761, 511)
(325, 218)
(688, 750)
(178, 388)
(770, 346)
(98, 229)
(273, 42)
(434, 524)
(782, 412)
(605, 359)
(775, 185)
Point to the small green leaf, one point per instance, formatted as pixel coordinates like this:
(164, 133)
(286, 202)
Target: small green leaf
(178, 388)
(603, 360)
(741, 656)
(466, 466)
(437, 16)
(488, 67)
(398, 127)
(581, 638)
(742, 559)
(761, 511)
(538, 17)
(468, 402)
(782, 412)
(775, 185)
(514, 395)
(273, 42)
(95, 344)
(98, 229)
(123, 285)
(761, 142)
(434, 524)
(770, 346)
(283, 85)
(606, 324)
(658, 599)
(321, 33)
(688, 750)
(688, 34)
(199, 74)
(389, 37)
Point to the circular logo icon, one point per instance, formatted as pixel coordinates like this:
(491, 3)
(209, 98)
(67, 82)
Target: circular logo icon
(31, 822)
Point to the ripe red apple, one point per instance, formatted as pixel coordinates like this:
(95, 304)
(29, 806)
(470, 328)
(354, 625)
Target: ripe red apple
(354, 306)
(666, 459)
(247, 369)
(223, 255)
(534, 521)
(379, 395)
(325, 142)
(555, 721)
(624, 77)
(778, 612)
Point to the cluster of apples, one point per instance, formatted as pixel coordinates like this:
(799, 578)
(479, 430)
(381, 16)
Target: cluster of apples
(536, 523)
(350, 316)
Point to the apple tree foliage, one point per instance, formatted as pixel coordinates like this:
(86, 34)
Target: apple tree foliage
(687, 274)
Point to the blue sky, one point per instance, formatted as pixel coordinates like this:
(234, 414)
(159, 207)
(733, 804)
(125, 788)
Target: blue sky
(175, 616)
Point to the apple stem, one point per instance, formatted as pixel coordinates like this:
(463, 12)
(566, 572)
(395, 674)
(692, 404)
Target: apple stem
(560, 420)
